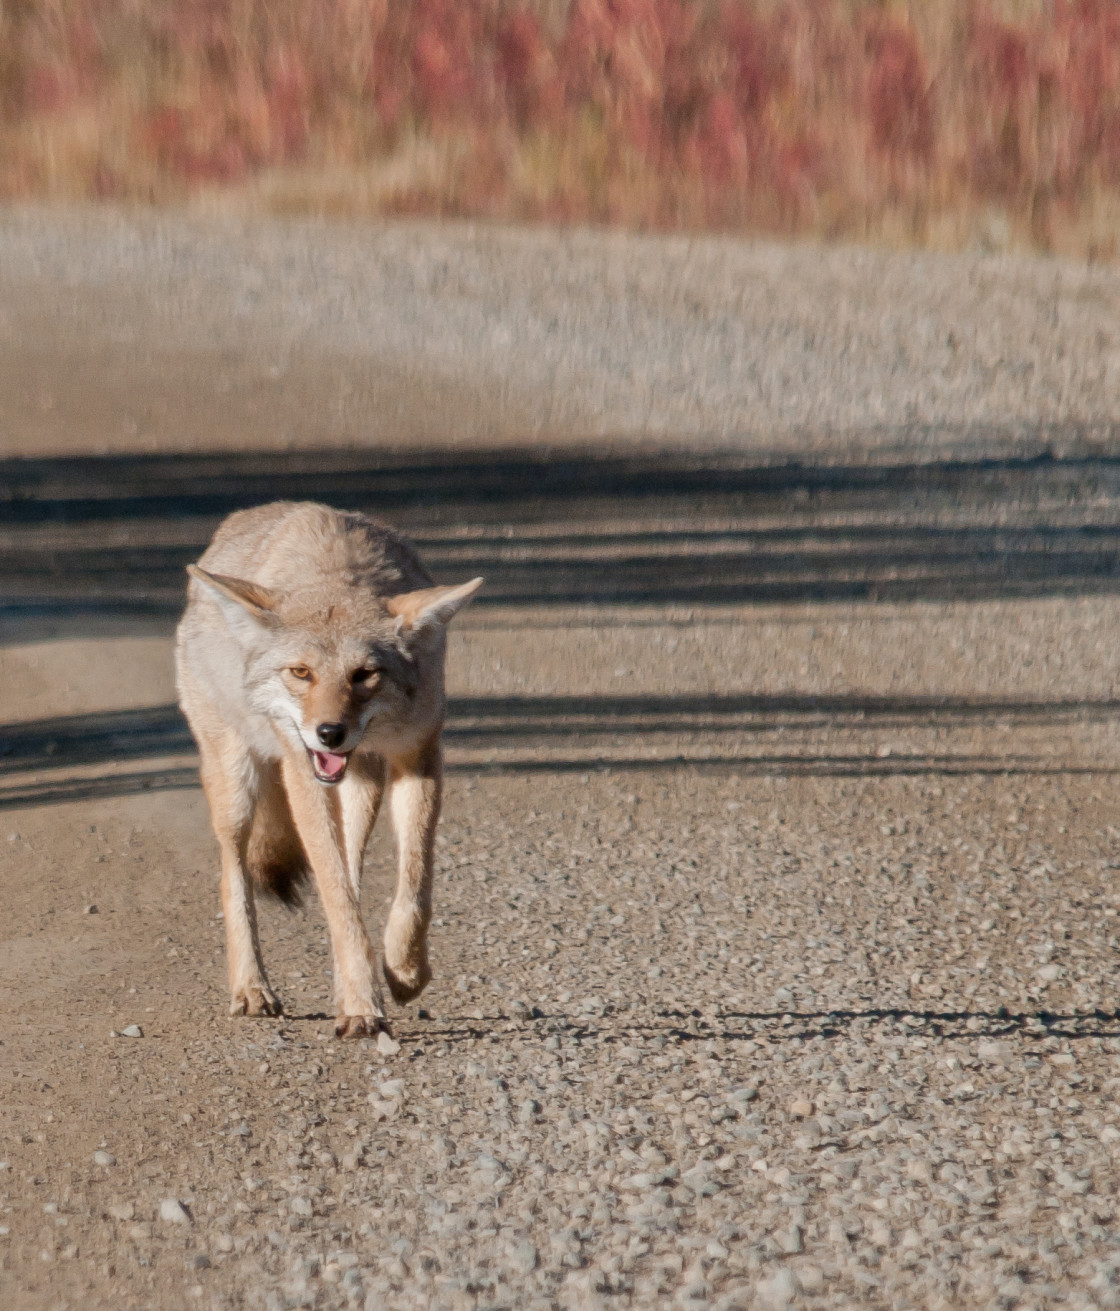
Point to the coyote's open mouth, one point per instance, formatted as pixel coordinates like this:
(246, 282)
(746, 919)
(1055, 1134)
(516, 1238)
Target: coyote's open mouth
(329, 766)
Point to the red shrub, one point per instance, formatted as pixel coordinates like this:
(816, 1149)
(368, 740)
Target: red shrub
(899, 96)
(725, 112)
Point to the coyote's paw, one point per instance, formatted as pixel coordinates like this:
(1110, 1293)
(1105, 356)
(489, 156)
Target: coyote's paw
(361, 1026)
(407, 982)
(255, 999)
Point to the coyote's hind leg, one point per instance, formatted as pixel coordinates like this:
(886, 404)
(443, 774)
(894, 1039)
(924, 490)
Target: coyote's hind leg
(415, 791)
(230, 781)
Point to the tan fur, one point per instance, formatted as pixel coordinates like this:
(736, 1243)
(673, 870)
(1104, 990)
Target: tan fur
(303, 621)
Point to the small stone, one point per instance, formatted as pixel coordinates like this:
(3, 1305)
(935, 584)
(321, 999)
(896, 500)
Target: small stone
(920, 1169)
(776, 1292)
(300, 1206)
(91, 910)
(523, 1258)
(783, 998)
(528, 1110)
(174, 1212)
(1050, 973)
(791, 1241)
(391, 1089)
(801, 1107)
(1110, 1134)
(695, 1290)
(353, 1158)
(241, 1131)
(200, 1261)
(809, 1279)
(996, 1052)
(132, 1031)
(386, 1045)
(121, 1211)
(104, 1158)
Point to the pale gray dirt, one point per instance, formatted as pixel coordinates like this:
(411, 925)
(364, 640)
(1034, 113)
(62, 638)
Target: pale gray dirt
(776, 912)
(226, 335)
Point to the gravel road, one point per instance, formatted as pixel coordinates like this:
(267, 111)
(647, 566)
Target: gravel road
(776, 923)
(172, 332)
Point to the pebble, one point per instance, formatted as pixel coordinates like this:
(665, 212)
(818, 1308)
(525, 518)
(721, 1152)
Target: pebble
(174, 1212)
(810, 1279)
(791, 1240)
(387, 1045)
(104, 1158)
(524, 1257)
(132, 1031)
(777, 1291)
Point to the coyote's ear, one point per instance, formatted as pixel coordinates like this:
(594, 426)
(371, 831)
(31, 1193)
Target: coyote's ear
(433, 605)
(251, 597)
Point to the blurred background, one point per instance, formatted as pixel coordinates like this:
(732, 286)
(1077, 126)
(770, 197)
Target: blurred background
(950, 123)
(764, 357)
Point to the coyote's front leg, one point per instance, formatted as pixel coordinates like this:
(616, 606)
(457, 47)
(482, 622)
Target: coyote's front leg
(318, 818)
(231, 783)
(415, 790)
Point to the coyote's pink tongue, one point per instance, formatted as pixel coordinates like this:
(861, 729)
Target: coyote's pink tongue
(329, 765)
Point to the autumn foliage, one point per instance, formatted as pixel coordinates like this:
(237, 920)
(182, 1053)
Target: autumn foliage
(931, 122)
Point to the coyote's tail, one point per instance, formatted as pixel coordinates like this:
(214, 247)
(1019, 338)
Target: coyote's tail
(276, 858)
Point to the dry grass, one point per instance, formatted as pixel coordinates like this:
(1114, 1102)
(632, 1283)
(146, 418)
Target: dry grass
(943, 123)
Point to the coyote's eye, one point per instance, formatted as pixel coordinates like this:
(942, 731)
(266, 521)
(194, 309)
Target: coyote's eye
(299, 671)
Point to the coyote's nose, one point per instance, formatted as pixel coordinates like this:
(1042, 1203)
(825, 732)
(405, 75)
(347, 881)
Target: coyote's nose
(331, 735)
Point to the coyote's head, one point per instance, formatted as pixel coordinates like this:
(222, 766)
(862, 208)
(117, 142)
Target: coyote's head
(333, 670)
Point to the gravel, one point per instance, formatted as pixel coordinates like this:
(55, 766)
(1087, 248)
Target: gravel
(816, 1008)
(927, 1122)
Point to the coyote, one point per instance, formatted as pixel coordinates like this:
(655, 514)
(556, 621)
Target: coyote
(309, 663)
